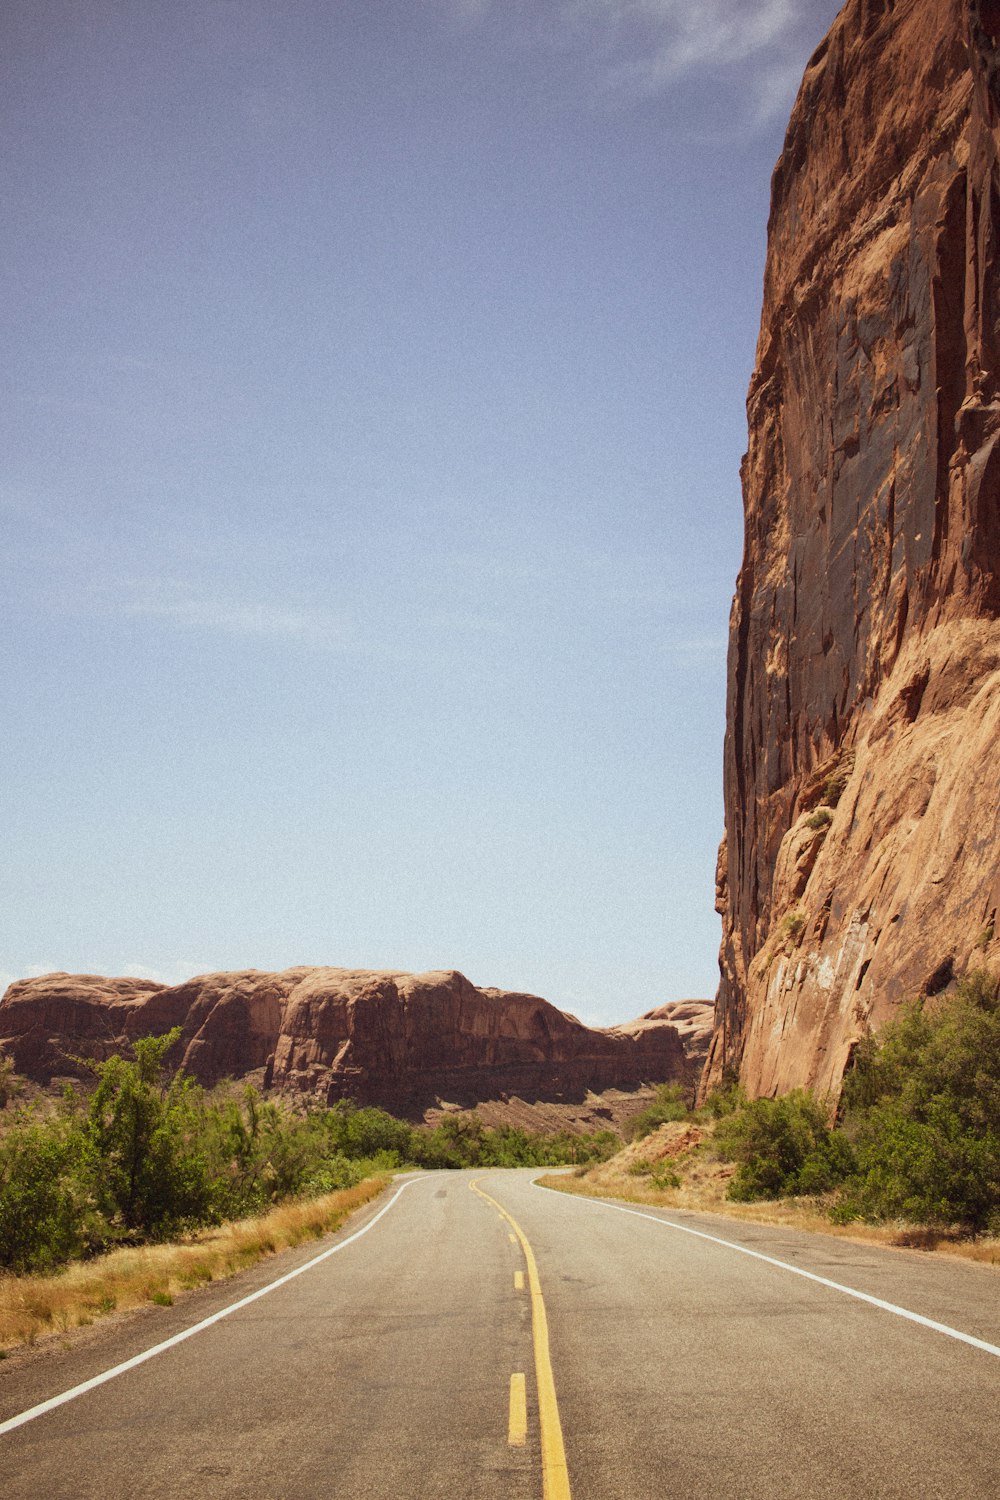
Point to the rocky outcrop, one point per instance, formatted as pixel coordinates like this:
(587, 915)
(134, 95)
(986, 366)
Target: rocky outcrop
(403, 1041)
(693, 1020)
(862, 855)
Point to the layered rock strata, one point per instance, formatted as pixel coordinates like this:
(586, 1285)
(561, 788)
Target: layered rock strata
(862, 857)
(403, 1041)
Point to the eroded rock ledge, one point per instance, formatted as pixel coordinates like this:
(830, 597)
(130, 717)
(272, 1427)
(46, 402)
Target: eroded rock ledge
(862, 774)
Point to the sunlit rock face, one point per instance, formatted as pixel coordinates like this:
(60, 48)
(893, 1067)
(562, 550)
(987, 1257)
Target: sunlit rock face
(861, 863)
(407, 1042)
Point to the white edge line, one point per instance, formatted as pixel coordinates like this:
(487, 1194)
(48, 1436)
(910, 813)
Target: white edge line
(836, 1286)
(187, 1333)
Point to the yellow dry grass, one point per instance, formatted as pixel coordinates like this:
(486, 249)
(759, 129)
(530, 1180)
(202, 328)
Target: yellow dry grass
(33, 1306)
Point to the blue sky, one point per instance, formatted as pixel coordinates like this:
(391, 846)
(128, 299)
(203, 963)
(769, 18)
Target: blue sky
(374, 401)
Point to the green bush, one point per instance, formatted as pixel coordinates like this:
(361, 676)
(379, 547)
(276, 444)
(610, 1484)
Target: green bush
(47, 1211)
(149, 1171)
(723, 1101)
(782, 1147)
(670, 1104)
(464, 1141)
(150, 1154)
(921, 1106)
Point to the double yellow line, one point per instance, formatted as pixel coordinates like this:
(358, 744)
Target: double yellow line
(555, 1476)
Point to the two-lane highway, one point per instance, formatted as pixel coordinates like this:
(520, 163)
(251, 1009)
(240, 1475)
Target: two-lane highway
(408, 1364)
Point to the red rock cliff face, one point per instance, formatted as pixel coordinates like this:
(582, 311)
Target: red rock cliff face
(402, 1041)
(862, 858)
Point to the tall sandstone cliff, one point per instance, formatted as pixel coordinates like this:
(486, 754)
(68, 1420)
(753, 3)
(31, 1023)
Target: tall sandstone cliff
(861, 864)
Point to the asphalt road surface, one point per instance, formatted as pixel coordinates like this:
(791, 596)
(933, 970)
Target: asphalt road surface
(571, 1349)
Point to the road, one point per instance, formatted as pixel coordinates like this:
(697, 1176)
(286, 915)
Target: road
(681, 1367)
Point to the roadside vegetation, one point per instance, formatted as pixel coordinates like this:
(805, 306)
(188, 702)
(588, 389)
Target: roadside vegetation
(148, 1155)
(914, 1148)
(146, 1184)
(46, 1304)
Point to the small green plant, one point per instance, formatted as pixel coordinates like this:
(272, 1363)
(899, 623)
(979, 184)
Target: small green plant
(640, 1167)
(665, 1176)
(792, 927)
(821, 818)
(162, 1299)
(833, 788)
(985, 938)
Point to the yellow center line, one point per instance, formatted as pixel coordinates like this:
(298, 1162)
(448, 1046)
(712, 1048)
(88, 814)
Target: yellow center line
(555, 1476)
(519, 1281)
(517, 1425)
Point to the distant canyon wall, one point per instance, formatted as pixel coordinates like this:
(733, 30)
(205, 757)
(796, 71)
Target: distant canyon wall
(861, 864)
(406, 1042)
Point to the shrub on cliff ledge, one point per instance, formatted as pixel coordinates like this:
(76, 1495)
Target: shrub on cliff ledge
(922, 1107)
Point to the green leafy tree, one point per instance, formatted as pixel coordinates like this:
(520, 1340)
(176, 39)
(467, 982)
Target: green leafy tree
(143, 1132)
(47, 1211)
(782, 1147)
(922, 1108)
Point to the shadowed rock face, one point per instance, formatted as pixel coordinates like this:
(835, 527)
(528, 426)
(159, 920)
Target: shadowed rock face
(864, 661)
(402, 1041)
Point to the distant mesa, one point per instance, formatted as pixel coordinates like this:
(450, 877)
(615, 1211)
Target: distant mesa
(406, 1042)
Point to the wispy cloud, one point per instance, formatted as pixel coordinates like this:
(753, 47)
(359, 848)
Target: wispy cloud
(407, 626)
(684, 36)
(190, 608)
(641, 48)
(171, 973)
(29, 971)
(698, 651)
(174, 971)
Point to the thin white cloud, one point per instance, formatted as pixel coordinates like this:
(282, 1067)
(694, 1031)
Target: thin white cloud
(30, 971)
(679, 39)
(641, 48)
(697, 651)
(189, 608)
(409, 631)
(171, 973)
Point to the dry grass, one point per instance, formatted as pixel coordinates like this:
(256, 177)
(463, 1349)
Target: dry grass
(33, 1306)
(704, 1180)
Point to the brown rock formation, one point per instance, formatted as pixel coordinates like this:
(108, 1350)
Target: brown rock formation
(862, 860)
(693, 1021)
(403, 1041)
